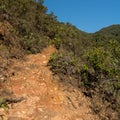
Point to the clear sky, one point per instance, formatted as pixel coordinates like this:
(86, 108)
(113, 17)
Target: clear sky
(87, 15)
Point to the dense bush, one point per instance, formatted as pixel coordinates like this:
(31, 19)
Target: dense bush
(96, 68)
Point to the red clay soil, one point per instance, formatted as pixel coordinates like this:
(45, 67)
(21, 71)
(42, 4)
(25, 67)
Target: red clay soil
(45, 98)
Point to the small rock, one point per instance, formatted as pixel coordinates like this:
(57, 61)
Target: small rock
(2, 111)
(2, 114)
(45, 116)
(44, 62)
(2, 79)
(44, 56)
(40, 109)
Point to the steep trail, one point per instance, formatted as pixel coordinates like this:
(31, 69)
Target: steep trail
(45, 97)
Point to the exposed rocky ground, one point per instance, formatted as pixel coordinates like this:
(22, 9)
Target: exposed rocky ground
(40, 96)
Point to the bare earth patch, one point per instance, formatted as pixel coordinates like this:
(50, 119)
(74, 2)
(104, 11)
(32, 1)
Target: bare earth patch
(44, 97)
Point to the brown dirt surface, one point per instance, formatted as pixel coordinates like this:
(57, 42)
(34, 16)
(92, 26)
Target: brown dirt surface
(44, 97)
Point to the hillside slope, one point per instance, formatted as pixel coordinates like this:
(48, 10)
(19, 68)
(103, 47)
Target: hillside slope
(87, 63)
(113, 30)
(44, 97)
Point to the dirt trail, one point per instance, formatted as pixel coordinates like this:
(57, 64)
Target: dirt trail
(45, 98)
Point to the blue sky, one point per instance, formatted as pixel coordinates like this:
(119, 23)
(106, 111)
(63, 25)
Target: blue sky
(87, 15)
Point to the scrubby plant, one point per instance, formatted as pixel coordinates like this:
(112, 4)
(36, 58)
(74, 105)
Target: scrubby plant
(92, 59)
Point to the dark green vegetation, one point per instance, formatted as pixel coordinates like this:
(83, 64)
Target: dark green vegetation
(90, 62)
